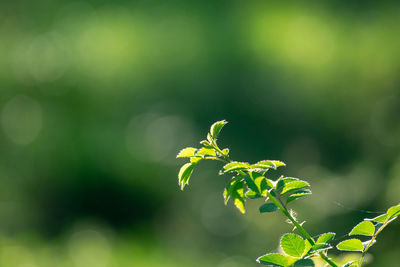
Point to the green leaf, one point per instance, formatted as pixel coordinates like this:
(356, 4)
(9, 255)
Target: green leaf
(233, 184)
(363, 228)
(308, 247)
(293, 245)
(237, 195)
(267, 164)
(379, 219)
(304, 263)
(196, 159)
(393, 211)
(184, 174)
(210, 139)
(278, 163)
(216, 128)
(351, 245)
(186, 152)
(294, 185)
(235, 166)
(225, 151)
(326, 238)
(298, 194)
(205, 152)
(238, 200)
(268, 207)
(273, 259)
(350, 264)
(206, 144)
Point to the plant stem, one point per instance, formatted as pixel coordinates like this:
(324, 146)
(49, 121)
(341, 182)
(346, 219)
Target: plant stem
(371, 242)
(299, 227)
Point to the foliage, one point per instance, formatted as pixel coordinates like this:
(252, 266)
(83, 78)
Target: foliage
(250, 181)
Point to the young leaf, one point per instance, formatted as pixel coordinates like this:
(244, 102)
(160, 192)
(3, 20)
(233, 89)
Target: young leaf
(267, 164)
(184, 174)
(206, 144)
(238, 196)
(206, 152)
(239, 201)
(363, 228)
(234, 184)
(297, 195)
(393, 211)
(307, 248)
(195, 159)
(274, 259)
(264, 164)
(216, 128)
(278, 163)
(210, 139)
(235, 166)
(351, 245)
(268, 207)
(225, 151)
(326, 238)
(293, 245)
(295, 185)
(379, 219)
(304, 263)
(187, 152)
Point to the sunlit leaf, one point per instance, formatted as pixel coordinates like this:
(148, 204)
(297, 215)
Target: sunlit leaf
(184, 174)
(235, 191)
(326, 238)
(293, 245)
(351, 245)
(206, 144)
(274, 259)
(307, 248)
(233, 184)
(225, 151)
(393, 211)
(216, 128)
(205, 152)
(379, 219)
(210, 139)
(363, 228)
(186, 152)
(268, 207)
(297, 195)
(267, 164)
(196, 159)
(294, 185)
(235, 166)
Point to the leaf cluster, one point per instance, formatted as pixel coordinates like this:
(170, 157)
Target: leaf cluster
(252, 180)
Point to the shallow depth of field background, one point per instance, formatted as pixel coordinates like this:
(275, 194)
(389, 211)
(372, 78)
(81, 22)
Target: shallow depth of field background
(97, 98)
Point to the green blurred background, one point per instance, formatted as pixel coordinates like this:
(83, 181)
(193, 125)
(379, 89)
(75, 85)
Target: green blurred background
(97, 98)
